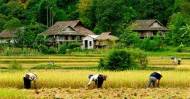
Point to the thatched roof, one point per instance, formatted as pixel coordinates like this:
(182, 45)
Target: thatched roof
(67, 31)
(140, 25)
(107, 36)
(75, 24)
(93, 36)
(7, 34)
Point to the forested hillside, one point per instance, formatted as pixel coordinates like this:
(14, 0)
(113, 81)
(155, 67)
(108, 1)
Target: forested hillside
(97, 15)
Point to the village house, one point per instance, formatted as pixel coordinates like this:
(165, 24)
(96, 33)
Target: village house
(67, 31)
(7, 36)
(148, 28)
(104, 40)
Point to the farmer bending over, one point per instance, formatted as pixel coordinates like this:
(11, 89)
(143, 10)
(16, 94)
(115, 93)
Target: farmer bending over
(28, 78)
(179, 61)
(176, 61)
(154, 79)
(98, 79)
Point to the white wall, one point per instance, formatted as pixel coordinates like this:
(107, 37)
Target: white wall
(5, 41)
(2, 41)
(89, 39)
(155, 25)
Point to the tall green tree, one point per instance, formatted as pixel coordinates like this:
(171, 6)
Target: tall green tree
(105, 15)
(128, 38)
(12, 24)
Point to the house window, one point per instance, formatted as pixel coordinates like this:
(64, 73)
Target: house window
(78, 38)
(154, 33)
(141, 37)
(66, 37)
(73, 37)
(90, 43)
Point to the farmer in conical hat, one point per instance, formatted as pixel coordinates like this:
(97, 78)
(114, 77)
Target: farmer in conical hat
(154, 79)
(176, 61)
(28, 79)
(98, 79)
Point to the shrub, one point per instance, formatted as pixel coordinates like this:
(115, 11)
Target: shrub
(129, 38)
(62, 49)
(44, 49)
(149, 45)
(74, 45)
(117, 60)
(179, 49)
(140, 57)
(124, 59)
(52, 50)
(9, 51)
(15, 65)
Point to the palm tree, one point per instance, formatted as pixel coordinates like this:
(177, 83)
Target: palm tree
(185, 29)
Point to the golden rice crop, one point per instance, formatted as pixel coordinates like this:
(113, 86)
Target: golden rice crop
(48, 60)
(52, 56)
(61, 64)
(78, 78)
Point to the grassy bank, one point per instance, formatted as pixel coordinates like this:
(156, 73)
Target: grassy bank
(12, 93)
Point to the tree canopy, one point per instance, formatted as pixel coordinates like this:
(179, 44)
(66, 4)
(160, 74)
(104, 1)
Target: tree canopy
(98, 15)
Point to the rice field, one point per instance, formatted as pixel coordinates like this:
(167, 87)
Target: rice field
(78, 78)
(63, 61)
(78, 61)
(65, 83)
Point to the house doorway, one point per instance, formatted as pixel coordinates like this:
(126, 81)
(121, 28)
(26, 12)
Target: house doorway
(86, 43)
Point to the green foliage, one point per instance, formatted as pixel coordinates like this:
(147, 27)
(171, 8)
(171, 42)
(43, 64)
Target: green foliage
(129, 38)
(155, 9)
(40, 39)
(140, 57)
(117, 60)
(52, 50)
(179, 30)
(152, 44)
(122, 59)
(149, 45)
(60, 15)
(64, 48)
(26, 36)
(15, 65)
(182, 48)
(86, 14)
(12, 24)
(179, 49)
(97, 15)
(3, 19)
(74, 45)
(8, 51)
(44, 49)
(185, 6)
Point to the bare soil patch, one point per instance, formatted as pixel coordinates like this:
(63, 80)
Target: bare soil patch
(114, 93)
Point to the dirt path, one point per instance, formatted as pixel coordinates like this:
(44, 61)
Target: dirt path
(114, 93)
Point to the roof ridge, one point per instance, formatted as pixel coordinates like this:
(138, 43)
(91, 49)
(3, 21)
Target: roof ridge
(69, 21)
